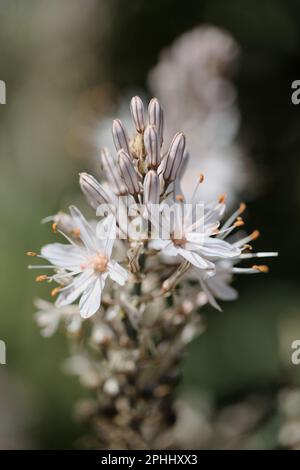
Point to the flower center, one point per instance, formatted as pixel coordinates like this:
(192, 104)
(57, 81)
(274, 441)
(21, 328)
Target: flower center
(99, 263)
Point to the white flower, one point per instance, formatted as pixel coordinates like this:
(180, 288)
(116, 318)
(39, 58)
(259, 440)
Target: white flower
(48, 318)
(88, 264)
(195, 241)
(217, 286)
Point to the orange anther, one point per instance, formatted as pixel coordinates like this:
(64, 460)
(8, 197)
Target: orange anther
(262, 268)
(31, 253)
(41, 278)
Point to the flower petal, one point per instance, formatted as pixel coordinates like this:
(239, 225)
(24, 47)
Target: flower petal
(72, 291)
(210, 297)
(166, 246)
(64, 256)
(195, 259)
(159, 217)
(216, 248)
(117, 273)
(106, 234)
(91, 297)
(87, 234)
(221, 289)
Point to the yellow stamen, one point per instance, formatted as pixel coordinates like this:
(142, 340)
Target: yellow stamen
(31, 253)
(41, 278)
(179, 198)
(254, 235)
(242, 207)
(54, 227)
(262, 268)
(239, 222)
(222, 198)
(247, 247)
(201, 177)
(55, 291)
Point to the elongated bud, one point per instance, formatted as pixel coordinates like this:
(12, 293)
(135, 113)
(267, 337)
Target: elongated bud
(137, 111)
(120, 136)
(128, 172)
(172, 162)
(171, 282)
(151, 188)
(93, 190)
(112, 172)
(156, 117)
(152, 145)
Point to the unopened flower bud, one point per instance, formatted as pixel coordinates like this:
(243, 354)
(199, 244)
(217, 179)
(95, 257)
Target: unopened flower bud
(156, 117)
(120, 136)
(93, 190)
(152, 145)
(137, 111)
(173, 160)
(112, 172)
(151, 188)
(128, 172)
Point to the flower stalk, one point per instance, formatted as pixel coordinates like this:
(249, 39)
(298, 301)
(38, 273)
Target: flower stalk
(128, 282)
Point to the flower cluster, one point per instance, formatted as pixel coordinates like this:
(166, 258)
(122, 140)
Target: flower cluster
(169, 255)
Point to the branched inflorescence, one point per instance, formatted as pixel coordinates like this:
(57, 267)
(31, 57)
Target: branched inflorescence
(139, 272)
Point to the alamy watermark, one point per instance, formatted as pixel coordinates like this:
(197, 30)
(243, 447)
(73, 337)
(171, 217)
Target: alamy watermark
(2, 92)
(154, 221)
(295, 357)
(2, 352)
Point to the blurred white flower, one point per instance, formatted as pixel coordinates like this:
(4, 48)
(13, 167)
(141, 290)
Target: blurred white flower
(192, 80)
(49, 317)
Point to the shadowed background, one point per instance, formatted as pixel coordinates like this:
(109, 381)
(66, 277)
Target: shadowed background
(68, 63)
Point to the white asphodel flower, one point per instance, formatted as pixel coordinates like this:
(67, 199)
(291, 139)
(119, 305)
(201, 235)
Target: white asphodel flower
(86, 264)
(193, 239)
(49, 317)
(217, 286)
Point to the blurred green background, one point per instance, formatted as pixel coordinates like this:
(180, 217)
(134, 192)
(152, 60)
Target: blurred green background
(55, 57)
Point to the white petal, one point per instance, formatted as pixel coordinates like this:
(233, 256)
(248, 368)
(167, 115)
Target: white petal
(160, 221)
(71, 292)
(209, 296)
(91, 297)
(87, 234)
(195, 259)
(117, 273)
(108, 231)
(166, 246)
(64, 256)
(221, 290)
(215, 247)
